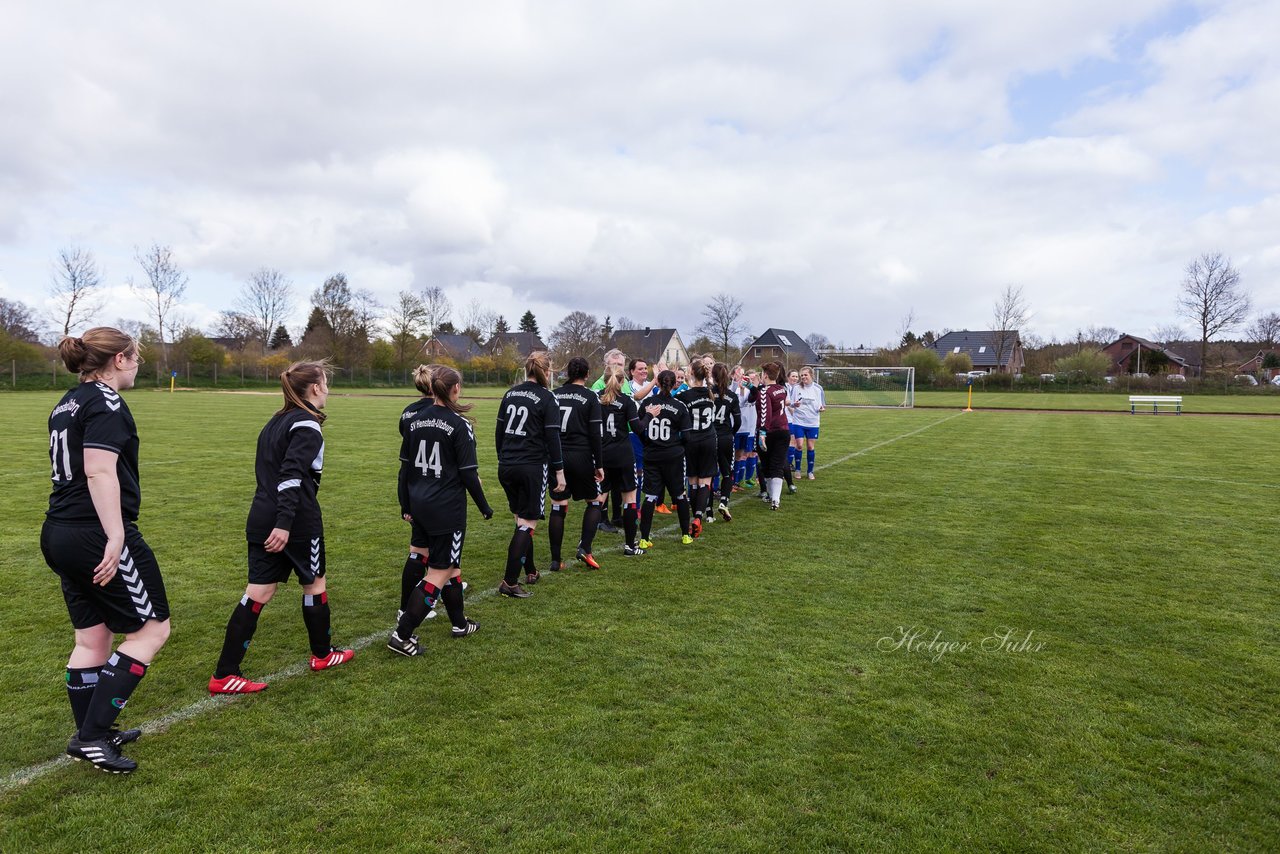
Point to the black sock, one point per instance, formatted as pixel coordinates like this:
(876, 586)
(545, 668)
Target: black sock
(521, 543)
(615, 497)
(452, 596)
(421, 600)
(682, 508)
(315, 613)
(704, 498)
(240, 629)
(555, 530)
(629, 523)
(590, 519)
(116, 681)
(415, 569)
(80, 684)
(788, 472)
(646, 518)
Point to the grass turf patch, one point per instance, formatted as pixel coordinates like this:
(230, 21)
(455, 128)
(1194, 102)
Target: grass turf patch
(783, 683)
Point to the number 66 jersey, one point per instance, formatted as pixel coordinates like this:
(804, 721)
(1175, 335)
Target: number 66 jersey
(91, 415)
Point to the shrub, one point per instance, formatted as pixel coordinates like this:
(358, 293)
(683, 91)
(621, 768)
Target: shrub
(926, 362)
(957, 363)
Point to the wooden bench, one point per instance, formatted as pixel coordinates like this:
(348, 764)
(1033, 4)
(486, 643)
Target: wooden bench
(1155, 401)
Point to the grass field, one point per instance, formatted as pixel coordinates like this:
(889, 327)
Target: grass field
(988, 631)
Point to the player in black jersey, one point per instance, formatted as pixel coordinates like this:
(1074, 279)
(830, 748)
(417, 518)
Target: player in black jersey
(579, 421)
(527, 438)
(415, 566)
(661, 428)
(110, 579)
(438, 468)
(699, 441)
(621, 421)
(728, 418)
(285, 530)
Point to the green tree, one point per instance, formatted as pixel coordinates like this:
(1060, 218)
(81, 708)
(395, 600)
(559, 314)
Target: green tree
(280, 338)
(528, 323)
(927, 363)
(957, 363)
(1089, 364)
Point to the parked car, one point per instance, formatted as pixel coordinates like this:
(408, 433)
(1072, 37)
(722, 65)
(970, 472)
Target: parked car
(1275, 380)
(1046, 378)
(1141, 376)
(1245, 379)
(976, 374)
(1176, 378)
(1110, 380)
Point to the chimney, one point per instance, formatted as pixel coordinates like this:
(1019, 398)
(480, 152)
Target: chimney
(646, 332)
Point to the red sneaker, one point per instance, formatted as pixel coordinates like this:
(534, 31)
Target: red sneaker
(662, 508)
(333, 659)
(588, 559)
(234, 684)
(695, 527)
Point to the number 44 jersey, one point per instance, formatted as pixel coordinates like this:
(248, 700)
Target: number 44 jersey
(438, 446)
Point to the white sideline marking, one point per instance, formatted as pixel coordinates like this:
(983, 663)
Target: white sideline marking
(211, 703)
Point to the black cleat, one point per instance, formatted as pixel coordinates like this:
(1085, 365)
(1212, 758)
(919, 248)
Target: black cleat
(121, 737)
(607, 527)
(532, 576)
(515, 591)
(471, 628)
(102, 753)
(556, 566)
(403, 647)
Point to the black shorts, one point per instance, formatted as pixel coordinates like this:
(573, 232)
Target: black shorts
(134, 594)
(444, 548)
(724, 454)
(700, 458)
(526, 488)
(660, 473)
(774, 463)
(623, 478)
(301, 555)
(579, 478)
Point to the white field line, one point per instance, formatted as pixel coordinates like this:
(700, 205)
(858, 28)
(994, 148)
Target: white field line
(213, 703)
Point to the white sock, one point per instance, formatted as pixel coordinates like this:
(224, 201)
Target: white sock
(775, 489)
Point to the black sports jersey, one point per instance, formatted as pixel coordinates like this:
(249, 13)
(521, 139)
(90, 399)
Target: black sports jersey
(438, 446)
(702, 413)
(727, 414)
(288, 466)
(528, 430)
(662, 433)
(620, 418)
(411, 411)
(579, 420)
(91, 415)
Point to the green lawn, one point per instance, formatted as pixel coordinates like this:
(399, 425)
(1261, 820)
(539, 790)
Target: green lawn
(1264, 402)
(751, 692)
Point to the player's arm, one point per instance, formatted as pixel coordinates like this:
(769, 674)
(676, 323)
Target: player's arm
(402, 478)
(501, 428)
(595, 430)
(464, 451)
(633, 417)
(735, 414)
(294, 480)
(104, 490)
(551, 433)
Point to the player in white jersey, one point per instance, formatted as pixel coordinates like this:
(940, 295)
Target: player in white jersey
(808, 401)
(745, 386)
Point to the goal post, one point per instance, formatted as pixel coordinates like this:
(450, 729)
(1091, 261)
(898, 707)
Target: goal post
(893, 388)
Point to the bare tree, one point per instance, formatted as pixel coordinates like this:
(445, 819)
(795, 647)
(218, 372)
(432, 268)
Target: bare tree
(1212, 298)
(406, 321)
(906, 337)
(437, 307)
(1008, 316)
(75, 289)
(479, 321)
(164, 287)
(817, 341)
(1168, 333)
(18, 321)
(624, 323)
(1099, 335)
(578, 334)
(1265, 330)
(721, 321)
(267, 298)
(238, 326)
(349, 316)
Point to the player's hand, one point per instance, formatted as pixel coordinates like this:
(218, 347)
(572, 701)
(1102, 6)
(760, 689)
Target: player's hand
(560, 485)
(487, 514)
(407, 517)
(106, 570)
(276, 540)
(655, 410)
(761, 443)
(599, 475)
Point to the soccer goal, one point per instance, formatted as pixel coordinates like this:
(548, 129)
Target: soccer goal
(883, 387)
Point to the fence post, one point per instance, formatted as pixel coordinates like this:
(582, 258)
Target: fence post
(55, 373)
(15, 373)
(215, 373)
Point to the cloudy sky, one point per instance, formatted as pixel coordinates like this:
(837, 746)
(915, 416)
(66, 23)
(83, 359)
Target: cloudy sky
(834, 164)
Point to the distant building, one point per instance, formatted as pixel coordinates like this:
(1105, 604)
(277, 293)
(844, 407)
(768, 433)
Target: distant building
(652, 345)
(780, 345)
(1127, 354)
(523, 343)
(457, 348)
(981, 347)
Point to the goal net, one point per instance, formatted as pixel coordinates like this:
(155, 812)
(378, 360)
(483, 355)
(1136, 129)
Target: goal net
(885, 387)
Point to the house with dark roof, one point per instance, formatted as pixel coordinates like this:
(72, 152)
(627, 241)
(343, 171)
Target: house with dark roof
(1130, 354)
(1258, 364)
(652, 345)
(982, 347)
(456, 348)
(521, 343)
(780, 345)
